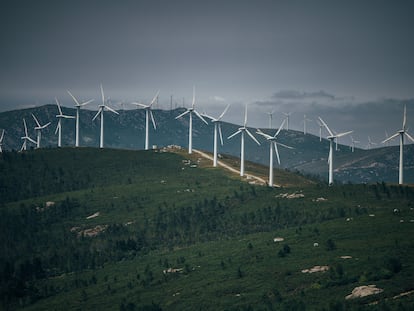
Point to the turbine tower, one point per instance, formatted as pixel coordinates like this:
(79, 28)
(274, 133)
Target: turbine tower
(273, 146)
(148, 114)
(331, 138)
(26, 137)
(305, 119)
(100, 113)
(401, 133)
(78, 106)
(60, 116)
(217, 128)
(353, 143)
(270, 118)
(241, 131)
(38, 130)
(1, 141)
(287, 115)
(190, 111)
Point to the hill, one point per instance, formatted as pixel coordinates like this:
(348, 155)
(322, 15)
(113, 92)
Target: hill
(154, 230)
(127, 131)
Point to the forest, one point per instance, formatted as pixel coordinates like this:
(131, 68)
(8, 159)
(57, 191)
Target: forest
(134, 230)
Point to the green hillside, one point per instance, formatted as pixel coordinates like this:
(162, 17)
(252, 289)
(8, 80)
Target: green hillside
(84, 229)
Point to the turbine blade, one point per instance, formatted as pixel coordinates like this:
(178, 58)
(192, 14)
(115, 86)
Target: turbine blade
(326, 126)
(103, 96)
(97, 114)
(74, 98)
(276, 151)
(2, 136)
(183, 114)
(234, 134)
(251, 135)
(405, 116)
(245, 116)
(199, 115)
(57, 103)
(68, 117)
(58, 126)
(210, 117)
(87, 102)
(220, 133)
(37, 122)
(258, 131)
(111, 110)
(193, 97)
(409, 136)
(25, 127)
(280, 127)
(343, 134)
(46, 125)
(154, 99)
(286, 146)
(222, 114)
(31, 140)
(391, 137)
(152, 119)
(140, 105)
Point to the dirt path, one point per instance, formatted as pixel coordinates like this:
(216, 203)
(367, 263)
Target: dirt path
(231, 169)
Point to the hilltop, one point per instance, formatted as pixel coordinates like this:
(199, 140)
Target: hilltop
(127, 131)
(158, 230)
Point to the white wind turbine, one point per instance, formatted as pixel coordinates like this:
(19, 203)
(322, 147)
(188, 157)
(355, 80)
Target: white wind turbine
(217, 128)
(78, 106)
(101, 114)
(273, 146)
(38, 130)
(370, 143)
(287, 115)
(241, 131)
(270, 118)
(331, 138)
(1, 141)
(305, 119)
(26, 137)
(320, 129)
(190, 111)
(60, 116)
(353, 143)
(148, 115)
(401, 133)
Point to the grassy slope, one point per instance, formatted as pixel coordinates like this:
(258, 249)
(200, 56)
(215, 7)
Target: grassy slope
(236, 264)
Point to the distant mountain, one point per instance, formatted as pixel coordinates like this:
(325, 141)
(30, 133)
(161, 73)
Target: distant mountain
(127, 131)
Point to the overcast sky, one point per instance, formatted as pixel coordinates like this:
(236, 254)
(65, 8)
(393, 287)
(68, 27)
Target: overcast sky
(352, 62)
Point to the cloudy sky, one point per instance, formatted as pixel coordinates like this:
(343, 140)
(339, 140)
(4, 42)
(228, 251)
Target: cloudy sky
(351, 62)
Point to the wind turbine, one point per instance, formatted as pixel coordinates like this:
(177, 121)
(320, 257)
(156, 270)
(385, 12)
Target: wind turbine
(273, 146)
(331, 138)
(270, 118)
(370, 143)
(217, 128)
(60, 116)
(190, 111)
(353, 143)
(305, 119)
(320, 129)
(78, 106)
(38, 130)
(1, 141)
(148, 114)
(101, 113)
(401, 132)
(287, 115)
(241, 131)
(26, 137)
